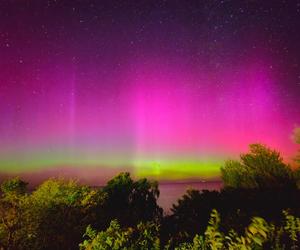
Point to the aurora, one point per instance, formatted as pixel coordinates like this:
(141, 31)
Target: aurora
(168, 94)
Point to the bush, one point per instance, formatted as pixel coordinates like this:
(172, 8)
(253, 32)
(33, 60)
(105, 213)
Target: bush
(144, 236)
(257, 235)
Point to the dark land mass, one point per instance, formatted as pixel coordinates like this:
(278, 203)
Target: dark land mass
(170, 190)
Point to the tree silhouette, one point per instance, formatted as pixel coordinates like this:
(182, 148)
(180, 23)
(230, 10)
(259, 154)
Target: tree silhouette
(131, 201)
(297, 158)
(262, 167)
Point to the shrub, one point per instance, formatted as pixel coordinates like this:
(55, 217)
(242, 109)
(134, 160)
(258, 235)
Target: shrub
(144, 236)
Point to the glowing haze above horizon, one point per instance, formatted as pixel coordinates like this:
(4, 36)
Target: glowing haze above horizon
(165, 89)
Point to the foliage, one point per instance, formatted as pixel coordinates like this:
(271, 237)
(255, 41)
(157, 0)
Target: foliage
(135, 200)
(13, 186)
(59, 212)
(237, 207)
(12, 202)
(124, 214)
(192, 212)
(52, 217)
(56, 214)
(297, 158)
(297, 135)
(257, 235)
(198, 243)
(113, 238)
(292, 227)
(262, 167)
(214, 238)
(144, 236)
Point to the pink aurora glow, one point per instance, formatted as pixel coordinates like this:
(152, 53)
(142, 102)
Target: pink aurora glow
(220, 115)
(155, 111)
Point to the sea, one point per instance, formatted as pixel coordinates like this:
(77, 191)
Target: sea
(170, 192)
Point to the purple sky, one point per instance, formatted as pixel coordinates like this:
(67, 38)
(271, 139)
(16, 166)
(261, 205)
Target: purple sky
(154, 86)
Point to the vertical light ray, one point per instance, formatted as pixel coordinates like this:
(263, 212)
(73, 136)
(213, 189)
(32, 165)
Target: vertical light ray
(72, 110)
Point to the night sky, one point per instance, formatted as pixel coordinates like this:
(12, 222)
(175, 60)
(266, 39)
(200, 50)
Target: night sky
(168, 89)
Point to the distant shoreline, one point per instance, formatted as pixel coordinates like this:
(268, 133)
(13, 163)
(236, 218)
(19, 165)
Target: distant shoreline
(98, 176)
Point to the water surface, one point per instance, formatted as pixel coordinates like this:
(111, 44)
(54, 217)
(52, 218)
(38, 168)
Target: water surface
(171, 192)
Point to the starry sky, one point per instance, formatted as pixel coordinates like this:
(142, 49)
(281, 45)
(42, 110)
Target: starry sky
(165, 89)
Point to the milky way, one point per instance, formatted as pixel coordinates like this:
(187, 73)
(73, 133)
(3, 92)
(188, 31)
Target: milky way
(168, 89)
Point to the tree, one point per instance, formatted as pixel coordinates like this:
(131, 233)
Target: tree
(12, 200)
(262, 167)
(58, 213)
(54, 216)
(189, 216)
(297, 159)
(131, 202)
(14, 186)
(297, 135)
